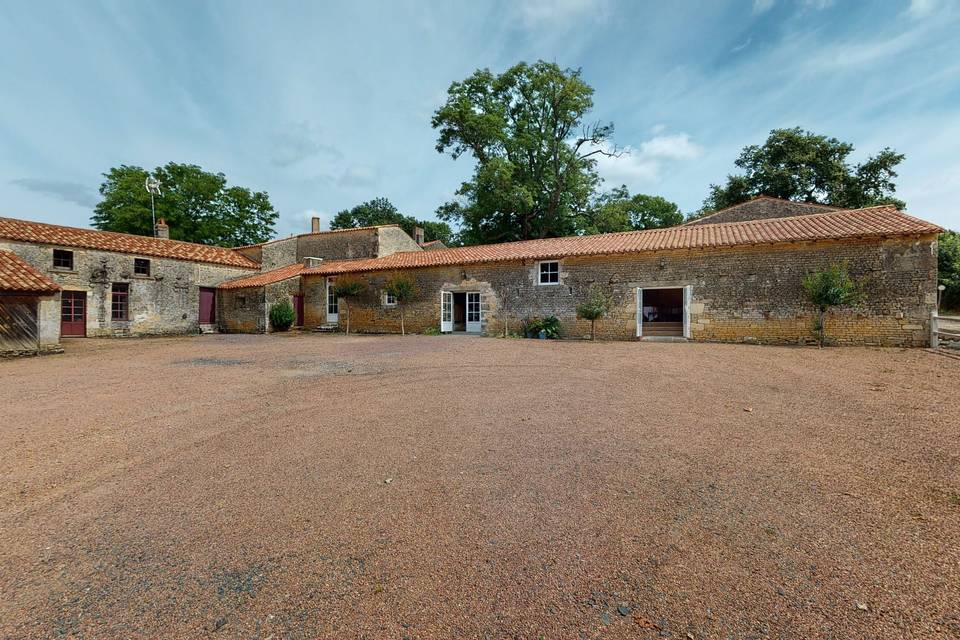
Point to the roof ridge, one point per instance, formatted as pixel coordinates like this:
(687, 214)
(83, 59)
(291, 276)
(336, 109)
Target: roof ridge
(317, 233)
(114, 241)
(764, 197)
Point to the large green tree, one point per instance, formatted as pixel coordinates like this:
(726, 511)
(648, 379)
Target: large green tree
(948, 264)
(196, 204)
(382, 211)
(617, 210)
(794, 164)
(535, 157)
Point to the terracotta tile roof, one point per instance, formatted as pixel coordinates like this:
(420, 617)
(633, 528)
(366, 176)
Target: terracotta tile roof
(267, 277)
(870, 222)
(54, 234)
(17, 275)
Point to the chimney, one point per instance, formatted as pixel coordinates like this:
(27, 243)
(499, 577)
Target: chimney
(309, 263)
(161, 230)
(314, 225)
(418, 235)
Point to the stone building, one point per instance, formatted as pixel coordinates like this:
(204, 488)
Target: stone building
(29, 322)
(115, 284)
(733, 276)
(735, 281)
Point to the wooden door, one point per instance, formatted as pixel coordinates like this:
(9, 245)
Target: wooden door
(73, 314)
(208, 305)
(298, 308)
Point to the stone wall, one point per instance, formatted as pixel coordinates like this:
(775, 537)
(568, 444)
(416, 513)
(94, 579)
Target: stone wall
(248, 310)
(339, 245)
(747, 294)
(165, 302)
(391, 240)
(762, 209)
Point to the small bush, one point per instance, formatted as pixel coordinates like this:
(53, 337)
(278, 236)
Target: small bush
(826, 288)
(431, 331)
(597, 305)
(281, 315)
(549, 325)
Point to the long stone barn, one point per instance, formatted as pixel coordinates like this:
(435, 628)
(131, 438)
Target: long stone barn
(735, 276)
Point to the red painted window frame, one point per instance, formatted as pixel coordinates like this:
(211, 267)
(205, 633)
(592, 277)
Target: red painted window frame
(120, 301)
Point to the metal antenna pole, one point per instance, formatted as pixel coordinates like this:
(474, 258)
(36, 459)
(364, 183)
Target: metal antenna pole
(153, 214)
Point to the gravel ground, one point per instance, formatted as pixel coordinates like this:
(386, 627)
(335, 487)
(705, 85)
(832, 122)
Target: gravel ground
(311, 486)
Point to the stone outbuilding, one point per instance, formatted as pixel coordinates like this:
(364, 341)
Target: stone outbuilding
(29, 314)
(738, 281)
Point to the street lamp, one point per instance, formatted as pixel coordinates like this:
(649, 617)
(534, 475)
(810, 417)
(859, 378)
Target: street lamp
(940, 290)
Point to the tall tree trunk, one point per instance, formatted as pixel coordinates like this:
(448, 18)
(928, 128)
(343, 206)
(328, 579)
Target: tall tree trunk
(593, 329)
(346, 307)
(402, 331)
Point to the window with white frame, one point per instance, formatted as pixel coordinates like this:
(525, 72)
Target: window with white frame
(549, 272)
(389, 300)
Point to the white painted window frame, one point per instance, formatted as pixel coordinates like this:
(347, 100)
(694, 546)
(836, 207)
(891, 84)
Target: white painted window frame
(687, 296)
(446, 309)
(386, 300)
(540, 281)
(331, 317)
(473, 298)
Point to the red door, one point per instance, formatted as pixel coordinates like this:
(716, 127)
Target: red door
(73, 314)
(298, 307)
(208, 305)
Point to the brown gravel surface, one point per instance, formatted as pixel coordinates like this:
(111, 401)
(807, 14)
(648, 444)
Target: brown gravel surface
(309, 486)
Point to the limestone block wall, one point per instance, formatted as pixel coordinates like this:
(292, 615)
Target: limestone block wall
(748, 294)
(165, 302)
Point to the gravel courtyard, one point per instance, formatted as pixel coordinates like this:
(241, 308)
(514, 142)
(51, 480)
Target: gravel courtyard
(309, 486)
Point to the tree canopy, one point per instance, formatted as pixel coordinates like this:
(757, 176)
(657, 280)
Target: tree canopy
(196, 204)
(382, 211)
(794, 164)
(535, 168)
(948, 263)
(617, 210)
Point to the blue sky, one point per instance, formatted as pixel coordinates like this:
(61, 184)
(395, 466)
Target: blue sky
(326, 105)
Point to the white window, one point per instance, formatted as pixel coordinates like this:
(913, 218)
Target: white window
(389, 300)
(549, 272)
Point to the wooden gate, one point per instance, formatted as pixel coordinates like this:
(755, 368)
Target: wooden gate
(18, 324)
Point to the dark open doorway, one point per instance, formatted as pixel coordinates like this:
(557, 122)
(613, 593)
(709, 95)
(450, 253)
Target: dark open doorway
(459, 311)
(661, 312)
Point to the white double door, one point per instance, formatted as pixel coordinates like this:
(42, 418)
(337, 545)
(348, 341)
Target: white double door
(474, 313)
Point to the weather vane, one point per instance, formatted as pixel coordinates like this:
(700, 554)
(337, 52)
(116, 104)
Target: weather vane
(153, 188)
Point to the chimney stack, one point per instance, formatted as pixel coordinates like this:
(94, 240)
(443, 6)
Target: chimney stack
(161, 230)
(418, 235)
(314, 225)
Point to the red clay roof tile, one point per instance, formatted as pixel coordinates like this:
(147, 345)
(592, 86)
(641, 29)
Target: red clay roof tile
(17, 275)
(54, 234)
(267, 277)
(834, 225)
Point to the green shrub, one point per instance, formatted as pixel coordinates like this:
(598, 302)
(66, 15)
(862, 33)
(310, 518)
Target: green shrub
(402, 287)
(830, 287)
(431, 331)
(347, 287)
(549, 325)
(597, 305)
(281, 315)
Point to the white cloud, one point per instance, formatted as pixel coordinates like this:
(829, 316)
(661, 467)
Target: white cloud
(645, 164)
(554, 13)
(761, 6)
(922, 8)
